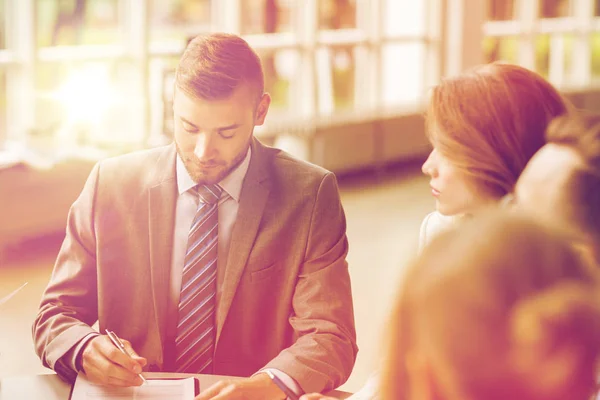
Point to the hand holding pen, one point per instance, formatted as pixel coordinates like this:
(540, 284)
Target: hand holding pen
(105, 363)
(121, 346)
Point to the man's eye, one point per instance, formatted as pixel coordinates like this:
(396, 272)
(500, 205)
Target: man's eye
(226, 135)
(188, 128)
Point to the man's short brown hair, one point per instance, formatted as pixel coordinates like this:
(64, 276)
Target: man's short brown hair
(213, 66)
(581, 132)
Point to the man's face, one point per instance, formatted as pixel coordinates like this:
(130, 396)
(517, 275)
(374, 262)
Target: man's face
(212, 137)
(541, 188)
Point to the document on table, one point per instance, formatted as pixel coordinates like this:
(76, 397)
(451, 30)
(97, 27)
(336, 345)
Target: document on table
(163, 389)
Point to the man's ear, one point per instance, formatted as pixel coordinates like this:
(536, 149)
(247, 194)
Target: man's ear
(262, 109)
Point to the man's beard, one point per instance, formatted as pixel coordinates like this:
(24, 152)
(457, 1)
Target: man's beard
(202, 179)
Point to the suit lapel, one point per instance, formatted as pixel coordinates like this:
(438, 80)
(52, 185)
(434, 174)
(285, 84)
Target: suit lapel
(162, 198)
(253, 198)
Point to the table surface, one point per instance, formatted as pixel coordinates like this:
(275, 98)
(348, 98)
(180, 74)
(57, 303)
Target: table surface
(51, 387)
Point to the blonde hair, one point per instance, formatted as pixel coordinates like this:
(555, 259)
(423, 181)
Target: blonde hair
(490, 121)
(581, 132)
(502, 308)
(213, 66)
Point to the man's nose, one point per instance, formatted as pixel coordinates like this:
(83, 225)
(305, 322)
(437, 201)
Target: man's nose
(205, 146)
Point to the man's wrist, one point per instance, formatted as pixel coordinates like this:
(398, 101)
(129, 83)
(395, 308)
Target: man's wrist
(80, 350)
(272, 391)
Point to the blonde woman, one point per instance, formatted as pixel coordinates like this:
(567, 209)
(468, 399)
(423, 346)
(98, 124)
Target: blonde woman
(497, 308)
(500, 308)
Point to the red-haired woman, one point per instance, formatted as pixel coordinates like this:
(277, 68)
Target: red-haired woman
(484, 126)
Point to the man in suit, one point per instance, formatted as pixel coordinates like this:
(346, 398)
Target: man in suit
(215, 254)
(561, 183)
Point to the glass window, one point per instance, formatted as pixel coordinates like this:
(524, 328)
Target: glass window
(542, 55)
(88, 103)
(558, 46)
(501, 10)
(555, 8)
(77, 22)
(337, 14)
(336, 71)
(2, 104)
(595, 43)
(402, 82)
(178, 20)
(280, 68)
(162, 80)
(2, 25)
(266, 16)
(501, 49)
(404, 18)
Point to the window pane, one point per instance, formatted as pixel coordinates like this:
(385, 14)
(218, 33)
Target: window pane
(501, 10)
(336, 68)
(500, 49)
(2, 105)
(162, 79)
(266, 16)
(595, 43)
(280, 69)
(2, 25)
(542, 55)
(555, 8)
(402, 82)
(77, 22)
(178, 20)
(337, 14)
(404, 18)
(87, 103)
(567, 41)
(554, 57)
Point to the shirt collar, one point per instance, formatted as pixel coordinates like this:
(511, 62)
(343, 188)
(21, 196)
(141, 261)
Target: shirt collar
(232, 183)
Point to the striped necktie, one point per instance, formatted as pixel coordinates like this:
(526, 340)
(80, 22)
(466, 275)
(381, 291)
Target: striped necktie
(195, 340)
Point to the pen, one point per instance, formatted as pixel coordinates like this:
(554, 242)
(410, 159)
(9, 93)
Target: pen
(117, 342)
(291, 395)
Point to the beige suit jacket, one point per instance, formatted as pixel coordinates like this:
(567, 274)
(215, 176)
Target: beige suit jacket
(285, 302)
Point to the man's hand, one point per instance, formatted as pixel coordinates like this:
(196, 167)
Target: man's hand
(259, 387)
(104, 364)
(316, 396)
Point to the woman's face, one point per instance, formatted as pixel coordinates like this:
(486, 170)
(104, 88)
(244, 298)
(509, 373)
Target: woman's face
(455, 192)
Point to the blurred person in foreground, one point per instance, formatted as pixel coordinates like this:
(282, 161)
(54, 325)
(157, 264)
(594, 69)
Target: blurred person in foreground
(484, 125)
(215, 254)
(499, 307)
(561, 183)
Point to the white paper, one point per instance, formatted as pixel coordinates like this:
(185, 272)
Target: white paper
(176, 389)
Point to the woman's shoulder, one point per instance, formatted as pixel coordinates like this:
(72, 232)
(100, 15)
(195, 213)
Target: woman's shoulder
(433, 224)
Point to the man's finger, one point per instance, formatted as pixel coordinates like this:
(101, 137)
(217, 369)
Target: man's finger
(109, 372)
(212, 391)
(116, 356)
(129, 349)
